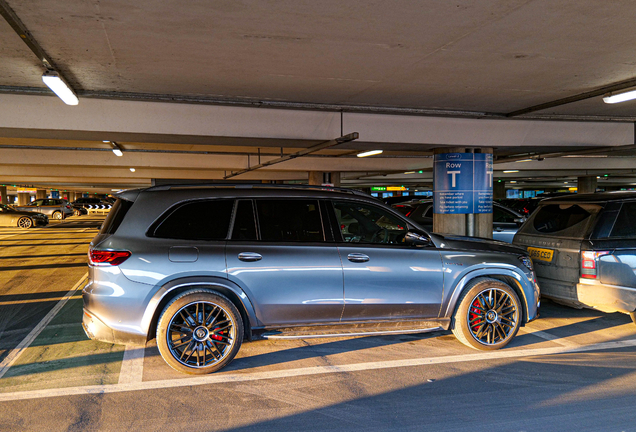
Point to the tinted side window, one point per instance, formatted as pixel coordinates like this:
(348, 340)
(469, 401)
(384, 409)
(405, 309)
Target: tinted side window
(290, 220)
(115, 217)
(197, 220)
(625, 225)
(501, 215)
(363, 223)
(244, 222)
(563, 220)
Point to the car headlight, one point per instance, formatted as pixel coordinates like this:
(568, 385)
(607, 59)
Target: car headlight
(526, 261)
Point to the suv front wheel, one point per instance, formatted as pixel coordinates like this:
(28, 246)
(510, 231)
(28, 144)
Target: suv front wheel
(199, 332)
(488, 316)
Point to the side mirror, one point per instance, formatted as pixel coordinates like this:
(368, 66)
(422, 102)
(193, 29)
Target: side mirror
(520, 220)
(416, 239)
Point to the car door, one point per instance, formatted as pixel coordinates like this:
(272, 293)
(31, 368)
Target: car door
(383, 277)
(286, 262)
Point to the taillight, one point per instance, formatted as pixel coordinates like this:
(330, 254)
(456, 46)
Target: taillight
(68, 207)
(588, 263)
(107, 257)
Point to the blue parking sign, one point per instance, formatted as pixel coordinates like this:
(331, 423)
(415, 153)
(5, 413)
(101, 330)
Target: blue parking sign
(462, 183)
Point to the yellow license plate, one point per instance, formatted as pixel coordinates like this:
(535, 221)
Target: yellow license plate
(541, 254)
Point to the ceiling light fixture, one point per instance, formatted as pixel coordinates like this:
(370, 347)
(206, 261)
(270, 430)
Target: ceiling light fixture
(525, 160)
(369, 153)
(116, 149)
(410, 172)
(512, 181)
(54, 81)
(132, 170)
(619, 96)
(510, 171)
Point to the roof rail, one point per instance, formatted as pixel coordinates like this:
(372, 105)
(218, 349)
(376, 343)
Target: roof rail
(253, 186)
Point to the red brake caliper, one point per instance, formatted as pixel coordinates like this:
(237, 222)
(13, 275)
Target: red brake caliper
(215, 336)
(474, 313)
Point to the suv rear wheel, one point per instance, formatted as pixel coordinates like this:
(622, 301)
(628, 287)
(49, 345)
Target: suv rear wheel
(488, 316)
(199, 332)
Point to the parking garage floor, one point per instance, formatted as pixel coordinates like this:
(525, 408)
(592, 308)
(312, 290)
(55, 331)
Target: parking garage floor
(569, 370)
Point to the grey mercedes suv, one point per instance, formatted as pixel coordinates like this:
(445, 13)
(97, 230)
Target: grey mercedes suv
(203, 267)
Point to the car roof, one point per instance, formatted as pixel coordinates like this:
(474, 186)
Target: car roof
(592, 197)
(269, 190)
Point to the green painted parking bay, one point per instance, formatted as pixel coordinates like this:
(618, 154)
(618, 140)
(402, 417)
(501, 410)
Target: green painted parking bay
(62, 356)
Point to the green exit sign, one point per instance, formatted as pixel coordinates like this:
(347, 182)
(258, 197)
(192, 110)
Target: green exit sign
(378, 188)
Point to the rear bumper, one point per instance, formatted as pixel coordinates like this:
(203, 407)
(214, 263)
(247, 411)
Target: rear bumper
(95, 329)
(606, 298)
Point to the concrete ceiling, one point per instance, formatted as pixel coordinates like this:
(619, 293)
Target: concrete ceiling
(476, 63)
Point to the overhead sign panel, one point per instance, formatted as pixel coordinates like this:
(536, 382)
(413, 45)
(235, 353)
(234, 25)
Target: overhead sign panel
(462, 183)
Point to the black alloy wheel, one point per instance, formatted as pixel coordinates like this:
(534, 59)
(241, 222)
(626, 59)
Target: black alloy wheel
(488, 316)
(199, 332)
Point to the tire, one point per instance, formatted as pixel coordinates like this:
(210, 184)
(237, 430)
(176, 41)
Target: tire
(488, 315)
(76, 212)
(25, 223)
(194, 345)
(57, 215)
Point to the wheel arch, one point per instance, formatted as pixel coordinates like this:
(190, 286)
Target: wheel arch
(173, 288)
(506, 276)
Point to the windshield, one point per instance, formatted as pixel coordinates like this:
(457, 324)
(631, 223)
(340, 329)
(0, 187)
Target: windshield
(6, 208)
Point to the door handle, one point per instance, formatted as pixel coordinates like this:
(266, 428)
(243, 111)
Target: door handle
(357, 257)
(249, 256)
(499, 229)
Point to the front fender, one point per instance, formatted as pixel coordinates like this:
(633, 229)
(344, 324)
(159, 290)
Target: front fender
(224, 286)
(524, 286)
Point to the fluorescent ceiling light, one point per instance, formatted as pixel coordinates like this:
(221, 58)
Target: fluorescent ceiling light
(511, 171)
(619, 96)
(132, 170)
(369, 153)
(512, 181)
(525, 160)
(55, 82)
(410, 172)
(116, 148)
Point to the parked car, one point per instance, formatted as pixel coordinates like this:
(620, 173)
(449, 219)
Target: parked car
(22, 219)
(201, 268)
(584, 250)
(78, 210)
(53, 208)
(506, 222)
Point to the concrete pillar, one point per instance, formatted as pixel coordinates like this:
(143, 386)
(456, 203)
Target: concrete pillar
(71, 196)
(23, 198)
(315, 178)
(319, 178)
(586, 184)
(457, 223)
(40, 194)
(499, 190)
(4, 199)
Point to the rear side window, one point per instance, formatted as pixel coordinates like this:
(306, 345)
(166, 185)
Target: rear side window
(423, 214)
(290, 221)
(502, 216)
(625, 225)
(197, 220)
(115, 216)
(563, 220)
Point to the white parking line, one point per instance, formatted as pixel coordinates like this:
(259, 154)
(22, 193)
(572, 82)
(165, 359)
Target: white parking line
(17, 351)
(220, 378)
(548, 336)
(132, 366)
